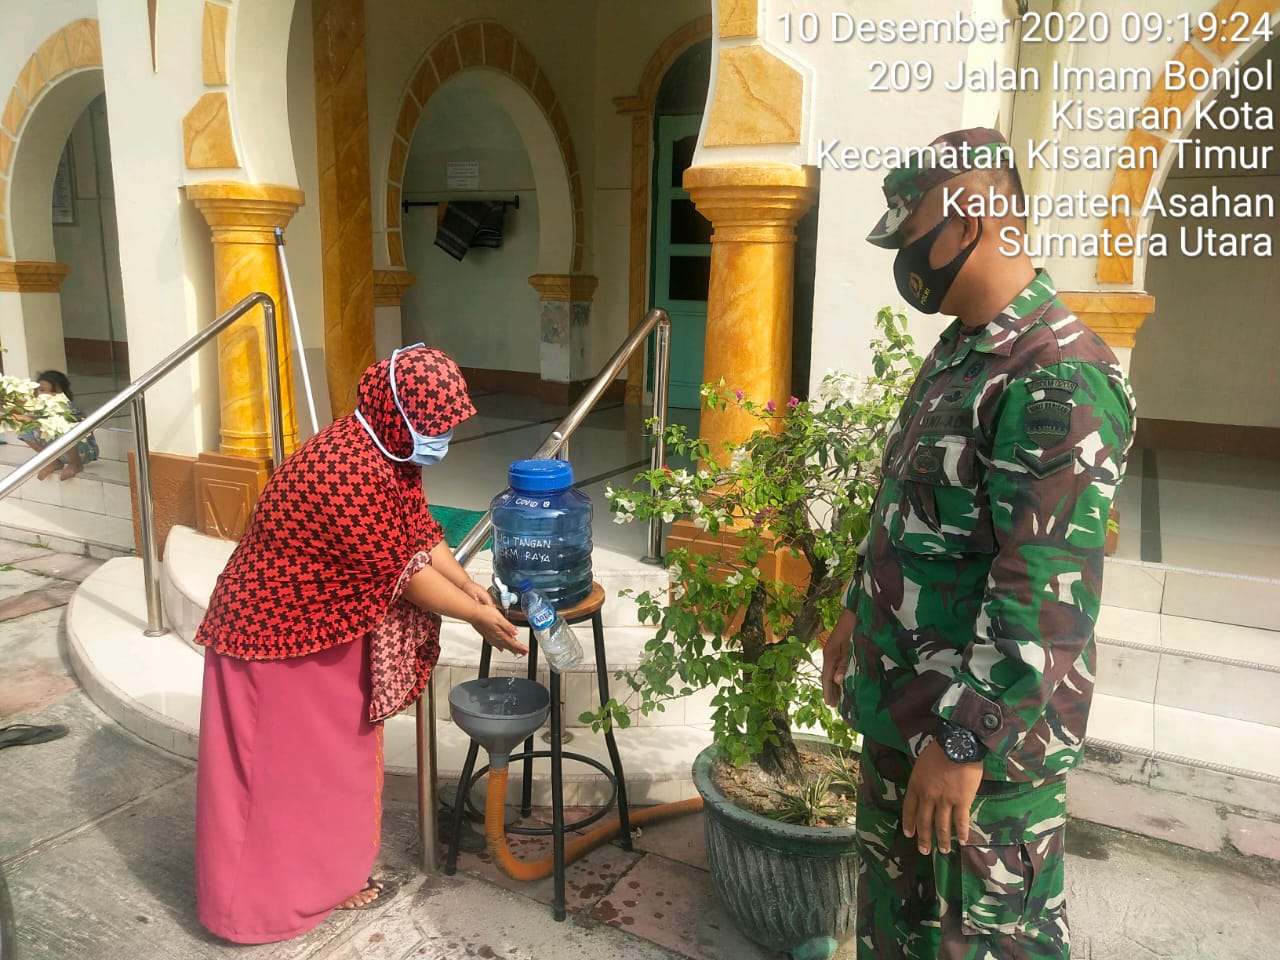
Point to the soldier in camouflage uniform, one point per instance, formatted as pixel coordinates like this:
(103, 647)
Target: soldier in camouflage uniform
(971, 616)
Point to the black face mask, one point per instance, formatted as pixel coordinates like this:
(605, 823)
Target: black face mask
(922, 285)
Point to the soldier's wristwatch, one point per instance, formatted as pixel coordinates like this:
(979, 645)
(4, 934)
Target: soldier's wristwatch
(960, 745)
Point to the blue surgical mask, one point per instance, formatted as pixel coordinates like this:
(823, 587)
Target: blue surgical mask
(426, 450)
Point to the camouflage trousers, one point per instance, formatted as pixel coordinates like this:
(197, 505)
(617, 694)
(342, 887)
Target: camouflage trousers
(998, 897)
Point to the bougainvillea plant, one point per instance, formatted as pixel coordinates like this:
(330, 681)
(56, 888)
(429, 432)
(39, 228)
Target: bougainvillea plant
(734, 619)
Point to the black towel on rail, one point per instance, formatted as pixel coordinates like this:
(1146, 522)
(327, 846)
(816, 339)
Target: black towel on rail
(463, 224)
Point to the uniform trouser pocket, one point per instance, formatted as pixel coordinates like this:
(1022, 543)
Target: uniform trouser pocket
(1008, 887)
(1008, 880)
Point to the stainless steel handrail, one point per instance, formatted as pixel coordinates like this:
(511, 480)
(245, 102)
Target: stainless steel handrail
(470, 545)
(559, 437)
(133, 394)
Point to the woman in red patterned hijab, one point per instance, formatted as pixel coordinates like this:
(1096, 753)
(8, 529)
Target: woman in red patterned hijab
(325, 621)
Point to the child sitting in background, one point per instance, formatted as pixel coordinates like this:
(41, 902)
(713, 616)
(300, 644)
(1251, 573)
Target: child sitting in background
(86, 451)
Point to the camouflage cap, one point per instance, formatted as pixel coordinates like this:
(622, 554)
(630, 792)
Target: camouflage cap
(948, 156)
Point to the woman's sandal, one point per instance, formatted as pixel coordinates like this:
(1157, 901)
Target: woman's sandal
(383, 891)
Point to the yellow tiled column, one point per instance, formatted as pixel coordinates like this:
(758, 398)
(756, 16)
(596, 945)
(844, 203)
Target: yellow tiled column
(753, 208)
(243, 218)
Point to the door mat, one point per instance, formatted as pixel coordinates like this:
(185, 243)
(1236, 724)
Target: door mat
(457, 523)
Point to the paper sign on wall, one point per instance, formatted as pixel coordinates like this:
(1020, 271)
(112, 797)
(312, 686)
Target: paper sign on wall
(463, 174)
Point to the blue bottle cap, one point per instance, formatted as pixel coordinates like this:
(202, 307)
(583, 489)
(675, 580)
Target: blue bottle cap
(540, 476)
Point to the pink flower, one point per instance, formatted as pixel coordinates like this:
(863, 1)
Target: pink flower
(771, 406)
(793, 402)
(738, 394)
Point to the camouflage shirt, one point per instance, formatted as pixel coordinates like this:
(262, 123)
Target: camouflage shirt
(982, 573)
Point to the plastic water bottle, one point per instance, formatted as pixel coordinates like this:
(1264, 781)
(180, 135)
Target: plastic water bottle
(542, 531)
(556, 638)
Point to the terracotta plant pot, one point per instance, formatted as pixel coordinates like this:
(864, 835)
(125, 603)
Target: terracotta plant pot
(787, 887)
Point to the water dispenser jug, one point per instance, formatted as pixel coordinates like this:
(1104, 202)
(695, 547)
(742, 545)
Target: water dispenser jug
(542, 531)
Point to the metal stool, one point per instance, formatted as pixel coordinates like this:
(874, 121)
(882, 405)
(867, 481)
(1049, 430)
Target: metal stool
(588, 608)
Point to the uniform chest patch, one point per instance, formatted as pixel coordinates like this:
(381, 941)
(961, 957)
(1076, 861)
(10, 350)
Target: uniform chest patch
(926, 464)
(973, 369)
(1047, 421)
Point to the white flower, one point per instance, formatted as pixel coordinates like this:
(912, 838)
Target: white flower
(701, 522)
(668, 516)
(734, 579)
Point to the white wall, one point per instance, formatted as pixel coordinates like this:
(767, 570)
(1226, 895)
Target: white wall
(165, 258)
(1079, 273)
(302, 237)
(259, 66)
(92, 305)
(625, 40)
(30, 330)
(591, 53)
(1208, 353)
(855, 279)
(480, 310)
(400, 33)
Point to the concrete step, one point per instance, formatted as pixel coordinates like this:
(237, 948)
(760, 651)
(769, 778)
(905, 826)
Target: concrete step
(1205, 595)
(95, 490)
(1220, 670)
(65, 529)
(115, 441)
(14, 454)
(151, 686)
(1159, 768)
(193, 562)
(90, 513)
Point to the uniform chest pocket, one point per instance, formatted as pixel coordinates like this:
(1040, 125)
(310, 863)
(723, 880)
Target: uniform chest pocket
(942, 510)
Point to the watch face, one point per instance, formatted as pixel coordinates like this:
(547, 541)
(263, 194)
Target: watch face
(960, 745)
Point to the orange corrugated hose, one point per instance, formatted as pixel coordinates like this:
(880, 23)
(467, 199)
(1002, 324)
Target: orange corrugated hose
(496, 837)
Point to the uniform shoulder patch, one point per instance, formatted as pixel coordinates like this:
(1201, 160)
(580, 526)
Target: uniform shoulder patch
(1039, 467)
(1046, 422)
(1051, 388)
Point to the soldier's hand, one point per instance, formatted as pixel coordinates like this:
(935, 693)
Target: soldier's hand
(939, 796)
(835, 659)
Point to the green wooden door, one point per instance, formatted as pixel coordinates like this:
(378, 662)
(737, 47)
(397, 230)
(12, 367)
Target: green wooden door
(681, 257)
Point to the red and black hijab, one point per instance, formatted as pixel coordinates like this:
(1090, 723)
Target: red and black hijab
(338, 522)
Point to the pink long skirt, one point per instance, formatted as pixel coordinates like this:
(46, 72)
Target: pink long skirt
(288, 791)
